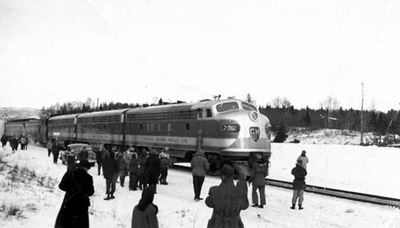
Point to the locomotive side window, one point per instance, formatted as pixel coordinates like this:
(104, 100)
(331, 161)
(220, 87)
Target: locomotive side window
(209, 113)
(227, 106)
(200, 113)
(169, 127)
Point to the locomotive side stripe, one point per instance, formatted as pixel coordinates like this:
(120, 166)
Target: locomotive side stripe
(167, 140)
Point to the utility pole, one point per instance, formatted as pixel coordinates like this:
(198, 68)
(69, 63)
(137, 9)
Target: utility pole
(362, 116)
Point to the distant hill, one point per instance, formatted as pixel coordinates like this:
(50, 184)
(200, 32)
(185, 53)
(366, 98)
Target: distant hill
(18, 113)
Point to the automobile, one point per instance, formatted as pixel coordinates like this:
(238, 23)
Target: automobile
(74, 149)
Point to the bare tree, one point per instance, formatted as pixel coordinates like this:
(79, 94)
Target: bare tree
(281, 102)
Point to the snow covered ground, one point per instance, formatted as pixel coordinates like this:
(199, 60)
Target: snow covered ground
(36, 203)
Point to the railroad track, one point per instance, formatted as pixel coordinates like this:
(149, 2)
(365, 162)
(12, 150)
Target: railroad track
(356, 196)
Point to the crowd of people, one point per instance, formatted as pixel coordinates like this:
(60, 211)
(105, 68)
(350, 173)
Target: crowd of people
(15, 141)
(146, 169)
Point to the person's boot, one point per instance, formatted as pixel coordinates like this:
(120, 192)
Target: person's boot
(112, 196)
(300, 207)
(293, 206)
(108, 197)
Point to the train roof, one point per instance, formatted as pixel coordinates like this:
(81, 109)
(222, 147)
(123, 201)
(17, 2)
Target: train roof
(69, 116)
(181, 106)
(103, 113)
(24, 119)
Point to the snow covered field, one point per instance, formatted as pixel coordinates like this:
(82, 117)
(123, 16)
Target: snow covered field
(367, 169)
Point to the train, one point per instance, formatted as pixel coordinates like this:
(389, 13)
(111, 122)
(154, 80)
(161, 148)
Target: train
(226, 130)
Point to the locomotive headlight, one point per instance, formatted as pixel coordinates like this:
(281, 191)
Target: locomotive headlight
(253, 116)
(267, 126)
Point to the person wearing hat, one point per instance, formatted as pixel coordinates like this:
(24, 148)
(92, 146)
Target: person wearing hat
(78, 186)
(110, 173)
(199, 165)
(227, 201)
(299, 184)
(304, 159)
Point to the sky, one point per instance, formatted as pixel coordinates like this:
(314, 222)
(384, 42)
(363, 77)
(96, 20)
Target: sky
(140, 51)
(38, 205)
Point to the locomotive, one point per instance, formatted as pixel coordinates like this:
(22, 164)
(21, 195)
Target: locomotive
(226, 130)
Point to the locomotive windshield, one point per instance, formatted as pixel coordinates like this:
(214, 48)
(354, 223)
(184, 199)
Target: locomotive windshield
(227, 106)
(248, 107)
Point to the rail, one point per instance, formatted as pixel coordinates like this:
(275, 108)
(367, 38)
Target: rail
(356, 196)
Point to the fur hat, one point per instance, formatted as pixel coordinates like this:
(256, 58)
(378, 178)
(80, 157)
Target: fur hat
(227, 170)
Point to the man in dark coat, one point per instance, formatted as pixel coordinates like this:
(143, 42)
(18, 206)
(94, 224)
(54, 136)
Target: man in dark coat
(110, 172)
(99, 159)
(142, 160)
(152, 169)
(3, 140)
(78, 186)
(55, 150)
(199, 165)
(14, 143)
(257, 178)
(133, 169)
(227, 200)
(299, 184)
(83, 155)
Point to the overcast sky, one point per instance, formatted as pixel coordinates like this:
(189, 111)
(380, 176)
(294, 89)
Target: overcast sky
(139, 51)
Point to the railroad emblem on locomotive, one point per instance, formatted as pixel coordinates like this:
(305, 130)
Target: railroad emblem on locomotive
(255, 133)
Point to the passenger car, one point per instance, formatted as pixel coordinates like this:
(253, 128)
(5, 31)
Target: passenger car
(75, 149)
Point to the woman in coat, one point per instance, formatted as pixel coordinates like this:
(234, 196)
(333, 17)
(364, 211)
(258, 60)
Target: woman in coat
(78, 186)
(145, 213)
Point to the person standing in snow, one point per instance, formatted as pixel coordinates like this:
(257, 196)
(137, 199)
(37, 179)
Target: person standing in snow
(304, 159)
(110, 173)
(199, 165)
(49, 147)
(78, 186)
(123, 167)
(227, 201)
(257, 178)
(152, 169)
(165, 163)
(55, 150)
(133, 169)
(145, 212)
(299, 184)
(3, 140)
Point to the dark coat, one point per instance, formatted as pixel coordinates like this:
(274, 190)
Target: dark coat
(153, 166)
(227, 200)
(4, 139)
(258, 174)
(146, 218)
(55, 149)
(83, 156)
(78, 186)
(142, 159)
(133, 167)
(165, 162)
(110, 168)
(299, 174)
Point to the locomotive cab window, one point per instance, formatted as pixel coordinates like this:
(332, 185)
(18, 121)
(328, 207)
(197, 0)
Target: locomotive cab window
(227, 106)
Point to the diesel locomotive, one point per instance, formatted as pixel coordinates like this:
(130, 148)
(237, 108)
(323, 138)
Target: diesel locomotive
(226, 130)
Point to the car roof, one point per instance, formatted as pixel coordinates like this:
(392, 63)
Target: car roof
(79, 144)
